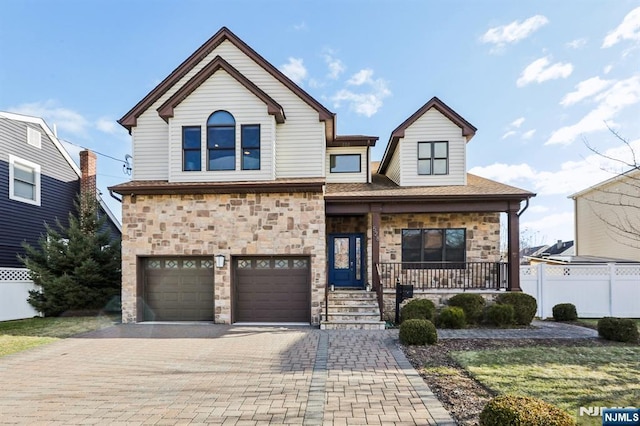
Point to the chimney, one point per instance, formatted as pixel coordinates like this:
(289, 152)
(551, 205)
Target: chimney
(87, 173)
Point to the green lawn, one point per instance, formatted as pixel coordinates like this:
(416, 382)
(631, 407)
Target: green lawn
(569, 377)
(19, 335)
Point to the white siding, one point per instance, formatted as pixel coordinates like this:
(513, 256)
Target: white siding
(594, 237)
(347, 177)
(150, 147)
(433, 126)
(393, 170)
(300, 141)
(221, 92)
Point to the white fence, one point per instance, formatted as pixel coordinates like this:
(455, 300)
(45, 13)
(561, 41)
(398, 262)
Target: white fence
(596, 290)
(14, 291)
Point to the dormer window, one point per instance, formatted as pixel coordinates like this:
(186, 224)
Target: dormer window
(433, 158)
(250, 146)
(191, 148)
(221, 141)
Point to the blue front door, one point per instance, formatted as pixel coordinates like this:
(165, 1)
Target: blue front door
(346, 260)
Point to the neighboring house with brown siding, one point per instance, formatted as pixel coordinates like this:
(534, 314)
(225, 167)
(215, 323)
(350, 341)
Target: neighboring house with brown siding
(234, 161)
(607, 219)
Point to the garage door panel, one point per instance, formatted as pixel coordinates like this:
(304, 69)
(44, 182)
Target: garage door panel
(179, 289)
(272, 289)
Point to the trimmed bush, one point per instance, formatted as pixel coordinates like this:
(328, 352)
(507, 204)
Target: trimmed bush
(565, 312)
(524, 411)
(618, 329)
(418, 309)
(418, 332)
(452, 317)
(524, 306)
(501, 315)
(471, 304)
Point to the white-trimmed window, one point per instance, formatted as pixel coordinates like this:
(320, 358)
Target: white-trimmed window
(24, 181)
(34, 137)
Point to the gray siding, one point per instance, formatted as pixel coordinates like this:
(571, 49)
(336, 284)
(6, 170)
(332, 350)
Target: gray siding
(59, 185)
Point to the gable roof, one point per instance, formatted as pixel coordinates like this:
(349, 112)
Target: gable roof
(56, 142)
(629, 177)
(166, 109)
(129, 120)
(468, 129)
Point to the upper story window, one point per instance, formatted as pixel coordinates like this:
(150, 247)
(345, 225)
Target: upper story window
(191, 147)
(24, 181)
(434, 245)
(250, 146)
(344, 163)
(221, 141)
(433, 158)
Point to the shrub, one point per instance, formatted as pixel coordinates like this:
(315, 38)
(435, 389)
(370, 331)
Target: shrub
(524, 306)
(418, 332)
(452, 317)
(618, 329)
(565, 312)
(418, 309)
(471, 304)
(501, 315)
(523, 410)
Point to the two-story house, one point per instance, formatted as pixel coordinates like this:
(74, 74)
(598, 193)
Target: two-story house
(246, 206)
(40, 183)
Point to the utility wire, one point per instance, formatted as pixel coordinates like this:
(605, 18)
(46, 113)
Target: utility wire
(99, 153)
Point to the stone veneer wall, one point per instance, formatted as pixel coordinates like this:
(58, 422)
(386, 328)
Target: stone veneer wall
(483, 233)
(228, 224)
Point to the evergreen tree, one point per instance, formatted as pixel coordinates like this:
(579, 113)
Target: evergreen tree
(76, 268)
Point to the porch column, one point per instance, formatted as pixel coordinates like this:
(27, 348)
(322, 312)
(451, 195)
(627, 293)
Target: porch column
(513, 227)
(375, 233)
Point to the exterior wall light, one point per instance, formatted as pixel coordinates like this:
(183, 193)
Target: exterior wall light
(219, 260)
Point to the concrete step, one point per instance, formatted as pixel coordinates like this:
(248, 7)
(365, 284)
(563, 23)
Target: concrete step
(353, 316)
(352, 325)
(353, 308)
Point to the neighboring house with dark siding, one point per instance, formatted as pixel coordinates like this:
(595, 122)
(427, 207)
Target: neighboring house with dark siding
(39, 183)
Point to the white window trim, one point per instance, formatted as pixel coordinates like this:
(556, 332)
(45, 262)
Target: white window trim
(36, 167)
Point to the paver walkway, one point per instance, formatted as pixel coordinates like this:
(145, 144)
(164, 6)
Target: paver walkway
(215, 374)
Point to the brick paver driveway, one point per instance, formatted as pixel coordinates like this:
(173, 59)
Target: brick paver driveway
(213, 374)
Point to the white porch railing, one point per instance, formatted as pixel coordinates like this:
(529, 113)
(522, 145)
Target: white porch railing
(14, 291)
(596, 290)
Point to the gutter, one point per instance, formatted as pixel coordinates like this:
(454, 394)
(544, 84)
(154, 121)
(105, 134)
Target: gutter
(526, 206)
(114, 197)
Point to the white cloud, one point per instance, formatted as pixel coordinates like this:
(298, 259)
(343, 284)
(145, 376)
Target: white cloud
(538, 209)
(610, 102)
(295, 70)
(107, 125)
(585, 89)
(550, 223)
(361, 77)
(542, 70)
(577, 43)
(629, 29)
(66, 120)
(607, 69)
(367, 103)
(509, 134)
(301, 26)
(528, 134)
(336, 66)
(515, 31)
(571, 177)
(517, 122)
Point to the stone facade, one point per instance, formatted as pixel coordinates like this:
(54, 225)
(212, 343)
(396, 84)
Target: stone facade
(227, 224)
(482, 229)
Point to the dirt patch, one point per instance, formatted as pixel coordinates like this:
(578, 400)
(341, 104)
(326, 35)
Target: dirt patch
(458, 392)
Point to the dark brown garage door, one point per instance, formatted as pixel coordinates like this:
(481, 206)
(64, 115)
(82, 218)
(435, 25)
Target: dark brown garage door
(178, 289)
(272, 289)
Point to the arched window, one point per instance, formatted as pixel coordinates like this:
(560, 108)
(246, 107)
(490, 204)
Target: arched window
(221, 141)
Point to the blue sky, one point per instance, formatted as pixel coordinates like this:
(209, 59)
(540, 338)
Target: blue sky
(539, 79)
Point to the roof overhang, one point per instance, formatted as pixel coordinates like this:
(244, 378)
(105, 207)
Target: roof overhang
(166, 109)
(352, 140)
(164, 187)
